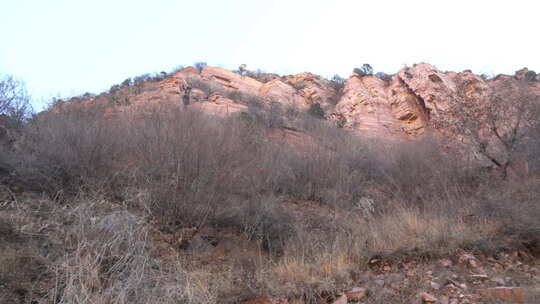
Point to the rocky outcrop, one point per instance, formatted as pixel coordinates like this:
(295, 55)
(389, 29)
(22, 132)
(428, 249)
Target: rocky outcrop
(282, 93)
(231, 81)
(407, 107)
(299, 90)
(370, 104)
(365, 106)
(314, 88)
(407, 104)
(219, 105)
(417, 98)
(434, 88)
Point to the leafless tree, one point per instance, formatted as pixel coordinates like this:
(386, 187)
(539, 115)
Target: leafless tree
(14, 99)
(496, 120)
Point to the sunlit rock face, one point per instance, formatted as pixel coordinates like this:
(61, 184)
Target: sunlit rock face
(314, 89)
(404, 105)
(418, 98)
(365, 106)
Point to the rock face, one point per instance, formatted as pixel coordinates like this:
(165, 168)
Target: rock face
(219, 105)
(231, 81)
(407, 108)
(417, 97)
(433, 88)
(283, 93)
(314, 89)
(365, 106)
(412, 101)
(299, 91)
(370, 104)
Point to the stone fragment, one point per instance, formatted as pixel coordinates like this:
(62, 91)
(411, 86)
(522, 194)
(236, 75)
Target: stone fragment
(435, 285)
(508, 294)
(341, 300)
(356, 293)
(445, 263)
(427, 298)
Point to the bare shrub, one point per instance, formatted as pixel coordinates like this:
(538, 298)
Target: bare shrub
(386, 77)
(14, 100)
(259, 218)
(337, 82)
(420, 173)
(212, 87)
(314, 212)
(261, 75)
(327, 248)
(67, 150)
(365, 70)
(269, 116)
(200, 65)
(7, 231)
(316, 111)
(494, 122)
(23, 268)
(315, 208)
(187, 161)
(207, 87)
(516, 205)
(22, 272)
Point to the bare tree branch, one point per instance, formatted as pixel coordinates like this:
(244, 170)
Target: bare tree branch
(14, 99)
(494, 120)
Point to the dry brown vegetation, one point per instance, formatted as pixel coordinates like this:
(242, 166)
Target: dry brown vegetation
(300, 221)
(495, 123)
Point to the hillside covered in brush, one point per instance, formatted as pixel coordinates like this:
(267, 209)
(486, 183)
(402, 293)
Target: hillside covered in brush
(213, 186)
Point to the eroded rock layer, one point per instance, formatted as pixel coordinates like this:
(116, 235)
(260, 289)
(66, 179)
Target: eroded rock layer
(404, 105)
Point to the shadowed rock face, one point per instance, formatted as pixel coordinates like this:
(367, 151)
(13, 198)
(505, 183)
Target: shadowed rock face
(407, 107)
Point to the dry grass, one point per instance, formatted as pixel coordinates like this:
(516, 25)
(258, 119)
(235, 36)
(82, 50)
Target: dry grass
(109, 258)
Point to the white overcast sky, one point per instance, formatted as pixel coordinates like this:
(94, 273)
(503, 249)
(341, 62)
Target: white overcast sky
(68, 47)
